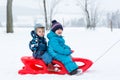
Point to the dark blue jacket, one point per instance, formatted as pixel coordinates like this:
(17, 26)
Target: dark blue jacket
(38, 45)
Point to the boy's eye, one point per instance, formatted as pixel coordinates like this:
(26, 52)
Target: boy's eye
(39, 31)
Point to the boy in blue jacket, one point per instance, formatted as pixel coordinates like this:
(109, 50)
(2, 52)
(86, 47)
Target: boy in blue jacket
(38, 46)
(59, 50)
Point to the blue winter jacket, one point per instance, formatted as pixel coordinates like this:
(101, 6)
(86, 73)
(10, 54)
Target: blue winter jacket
(60, 51)
(56, 45)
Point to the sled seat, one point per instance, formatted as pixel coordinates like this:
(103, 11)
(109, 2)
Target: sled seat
(86, 63)
(37, 66)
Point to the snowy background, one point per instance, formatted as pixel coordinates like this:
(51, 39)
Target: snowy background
(25, 12)
(87, 44)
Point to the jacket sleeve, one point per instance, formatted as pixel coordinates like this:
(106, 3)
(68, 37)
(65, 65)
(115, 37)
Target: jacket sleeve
(59, 49)
(33, 45)
(67, 47)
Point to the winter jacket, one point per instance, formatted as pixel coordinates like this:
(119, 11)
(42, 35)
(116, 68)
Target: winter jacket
(38, 46)
(38, 43)
(58, 44)
(60, 51)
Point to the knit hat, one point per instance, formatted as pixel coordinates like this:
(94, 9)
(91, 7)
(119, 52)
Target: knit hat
(38, 26)
(56, 25)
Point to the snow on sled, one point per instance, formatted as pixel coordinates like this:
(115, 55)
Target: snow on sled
(37, 66)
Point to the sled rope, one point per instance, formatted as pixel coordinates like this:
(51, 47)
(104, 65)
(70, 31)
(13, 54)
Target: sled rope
(107, 51)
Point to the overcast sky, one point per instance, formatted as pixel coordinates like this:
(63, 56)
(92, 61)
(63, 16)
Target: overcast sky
(32, 7)
(107, 4)
(110, 4)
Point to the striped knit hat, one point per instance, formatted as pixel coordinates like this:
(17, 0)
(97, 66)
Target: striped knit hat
(56, 25)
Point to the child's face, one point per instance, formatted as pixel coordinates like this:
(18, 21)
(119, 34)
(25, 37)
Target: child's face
(59, 32)
(40, 32)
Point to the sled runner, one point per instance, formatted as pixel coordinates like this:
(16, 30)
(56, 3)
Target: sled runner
(37, 66)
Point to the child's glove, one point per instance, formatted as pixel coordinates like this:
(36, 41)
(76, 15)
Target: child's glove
(35, 42)
(72, 51)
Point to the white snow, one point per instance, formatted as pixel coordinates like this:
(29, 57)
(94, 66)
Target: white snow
(87, 44)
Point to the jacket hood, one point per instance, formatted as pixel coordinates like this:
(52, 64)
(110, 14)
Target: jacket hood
(34, 35)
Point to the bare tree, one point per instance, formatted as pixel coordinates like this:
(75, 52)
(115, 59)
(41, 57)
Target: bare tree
(116, 19)
(113, 19)
(90, 13)
(49, 11)
(9, 17)
(45, 14)
(109, 20)
(87, 14)
(53, 5)
(94, 16)
(0, 24)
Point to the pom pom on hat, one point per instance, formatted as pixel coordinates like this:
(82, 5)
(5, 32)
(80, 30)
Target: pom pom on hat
(56, 25)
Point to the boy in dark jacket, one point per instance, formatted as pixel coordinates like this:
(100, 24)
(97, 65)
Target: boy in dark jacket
(38, 46)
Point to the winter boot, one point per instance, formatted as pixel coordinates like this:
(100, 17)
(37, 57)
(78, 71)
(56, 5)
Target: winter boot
(74, 71)
(50, 67)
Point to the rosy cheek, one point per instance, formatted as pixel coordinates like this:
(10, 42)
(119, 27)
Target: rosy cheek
(59, 32)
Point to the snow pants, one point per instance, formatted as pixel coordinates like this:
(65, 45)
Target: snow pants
(67, 61)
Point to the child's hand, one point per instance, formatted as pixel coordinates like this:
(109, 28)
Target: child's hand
(72, 51)
(34, 42)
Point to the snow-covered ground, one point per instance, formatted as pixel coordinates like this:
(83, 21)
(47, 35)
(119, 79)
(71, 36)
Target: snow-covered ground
(87, 44)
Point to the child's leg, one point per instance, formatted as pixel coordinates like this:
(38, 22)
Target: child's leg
(36, 55)
(50, 67)
(68, 63)
(48, 60)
